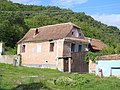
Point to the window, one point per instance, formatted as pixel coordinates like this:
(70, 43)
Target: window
(79, 48)
(66, 61)
(51, 47)
(72, 32)
(23, 48)
(39, 46)
(73, 47)
(75, 33)
(80, 34)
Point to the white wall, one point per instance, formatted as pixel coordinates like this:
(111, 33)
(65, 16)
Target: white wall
(106, 65)
(1, 48)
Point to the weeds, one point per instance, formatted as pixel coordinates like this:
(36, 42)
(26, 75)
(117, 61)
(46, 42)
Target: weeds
(24, 78)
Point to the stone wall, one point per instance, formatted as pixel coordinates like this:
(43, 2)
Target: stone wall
(8, 59)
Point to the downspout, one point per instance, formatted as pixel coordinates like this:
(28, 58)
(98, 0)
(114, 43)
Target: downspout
(56, 54)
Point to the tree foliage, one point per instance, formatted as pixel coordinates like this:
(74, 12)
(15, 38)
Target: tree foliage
(12, 28)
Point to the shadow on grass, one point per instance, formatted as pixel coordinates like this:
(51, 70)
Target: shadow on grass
(32, 86)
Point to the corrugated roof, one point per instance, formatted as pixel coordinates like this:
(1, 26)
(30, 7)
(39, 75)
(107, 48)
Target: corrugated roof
(49, 32)
(109, 57)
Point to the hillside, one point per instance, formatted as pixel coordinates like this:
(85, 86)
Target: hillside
(24, 78)
(16, 19)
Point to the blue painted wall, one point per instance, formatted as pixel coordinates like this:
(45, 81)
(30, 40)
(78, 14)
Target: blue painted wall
(106, 67)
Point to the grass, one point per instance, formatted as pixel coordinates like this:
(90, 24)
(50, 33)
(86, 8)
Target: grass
(25, 78)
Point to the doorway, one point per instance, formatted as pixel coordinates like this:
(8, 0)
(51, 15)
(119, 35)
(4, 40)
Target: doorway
(66, 63)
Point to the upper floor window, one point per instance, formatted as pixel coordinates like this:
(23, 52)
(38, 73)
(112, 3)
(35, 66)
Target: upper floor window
(80, 34)
(79, 48)
(23, 48)
(39, 46)
(51, 47)
(75, 33)
(72, 32)
(73, 48)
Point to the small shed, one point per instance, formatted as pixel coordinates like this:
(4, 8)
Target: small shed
(109, 65)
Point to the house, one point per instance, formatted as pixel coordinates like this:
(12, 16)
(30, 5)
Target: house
(2, 48)
(108, 65)
(60, 46)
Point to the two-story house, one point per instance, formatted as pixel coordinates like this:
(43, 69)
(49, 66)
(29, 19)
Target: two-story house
(60, 46)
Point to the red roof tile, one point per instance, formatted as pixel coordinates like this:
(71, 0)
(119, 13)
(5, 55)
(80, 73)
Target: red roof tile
(96, 44)
(109, 57)
(49, 32)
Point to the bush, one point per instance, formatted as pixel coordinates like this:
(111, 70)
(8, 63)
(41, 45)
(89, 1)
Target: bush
(10, 51)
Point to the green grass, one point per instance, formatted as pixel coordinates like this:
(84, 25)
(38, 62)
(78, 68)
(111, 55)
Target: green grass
(25, 78)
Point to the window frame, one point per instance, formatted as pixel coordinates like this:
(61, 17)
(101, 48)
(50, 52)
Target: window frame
(79, 49)
(39, 47)
(73, 47)
(52, 45)
(23, 48)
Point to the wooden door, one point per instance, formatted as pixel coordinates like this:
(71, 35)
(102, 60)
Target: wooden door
(66, 63)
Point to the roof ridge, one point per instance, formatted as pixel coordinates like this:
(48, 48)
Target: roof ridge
(53, 25)
(70, 23)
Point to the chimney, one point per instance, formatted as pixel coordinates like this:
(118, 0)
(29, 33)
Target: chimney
(36, 31)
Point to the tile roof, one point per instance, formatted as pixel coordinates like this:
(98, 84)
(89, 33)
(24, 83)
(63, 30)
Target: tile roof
(98, 44)
(58, 31)
(109, 57)
(49, 32)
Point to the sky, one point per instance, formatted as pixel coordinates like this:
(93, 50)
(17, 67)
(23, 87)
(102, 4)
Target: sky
(105, 11)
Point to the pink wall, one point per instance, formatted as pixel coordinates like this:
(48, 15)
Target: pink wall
(39, 53)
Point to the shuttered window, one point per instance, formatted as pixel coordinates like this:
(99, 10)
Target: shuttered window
(51, 47)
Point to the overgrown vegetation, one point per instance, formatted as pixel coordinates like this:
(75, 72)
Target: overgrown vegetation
(24, 78)
(106, 51)
(10, 51)
(16, 19)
